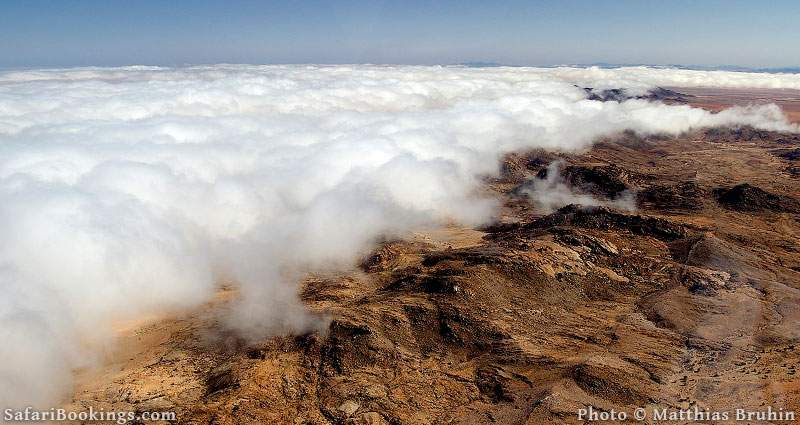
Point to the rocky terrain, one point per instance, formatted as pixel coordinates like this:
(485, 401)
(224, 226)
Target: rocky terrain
(690, 301)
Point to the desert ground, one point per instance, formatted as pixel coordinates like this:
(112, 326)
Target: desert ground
(691, 300)
(716, 99)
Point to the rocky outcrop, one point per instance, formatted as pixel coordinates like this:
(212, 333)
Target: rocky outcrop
(620, 95)
(605, 180)
(605, 218)
(684, 196)
(745, 197)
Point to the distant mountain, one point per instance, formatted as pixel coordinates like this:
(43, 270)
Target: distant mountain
(480, 64)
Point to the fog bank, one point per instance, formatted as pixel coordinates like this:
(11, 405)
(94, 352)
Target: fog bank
(129, 191)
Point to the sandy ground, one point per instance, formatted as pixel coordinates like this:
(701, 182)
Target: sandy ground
(718, 99)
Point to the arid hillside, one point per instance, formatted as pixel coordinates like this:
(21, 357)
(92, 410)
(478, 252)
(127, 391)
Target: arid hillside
(689, 296)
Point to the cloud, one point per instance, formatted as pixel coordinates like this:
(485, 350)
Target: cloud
(553, 192)
(640, 78)
(129, 191)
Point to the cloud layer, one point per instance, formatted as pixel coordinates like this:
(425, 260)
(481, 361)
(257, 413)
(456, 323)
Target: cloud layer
(128, 191)
(642, 78)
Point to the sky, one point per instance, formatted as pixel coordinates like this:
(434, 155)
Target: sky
(41, 33)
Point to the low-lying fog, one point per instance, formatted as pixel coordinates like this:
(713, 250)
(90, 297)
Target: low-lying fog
(129, 191)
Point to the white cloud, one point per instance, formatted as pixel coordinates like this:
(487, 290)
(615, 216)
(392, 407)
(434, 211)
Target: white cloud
(127, 191)
(642, 78)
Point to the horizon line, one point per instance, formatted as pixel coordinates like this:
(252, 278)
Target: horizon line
(791, 69)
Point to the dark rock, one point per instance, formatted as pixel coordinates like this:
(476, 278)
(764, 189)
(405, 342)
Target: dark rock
(220, 378)
(605, 219)
(256, 353)
(745, 197)
(495, 383)
(620, 95)
(307, 341)
(606, 180)
(607, 95)
(470, 256)
(789, 154)
(736, 134)
(344, 330)
(784, 139)
(596, 245)
(442, 282)
(500, 227)
(666, 95)
(685, 196)
(347, 346)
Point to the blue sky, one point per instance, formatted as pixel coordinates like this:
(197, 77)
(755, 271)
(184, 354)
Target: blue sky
(36, 33)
